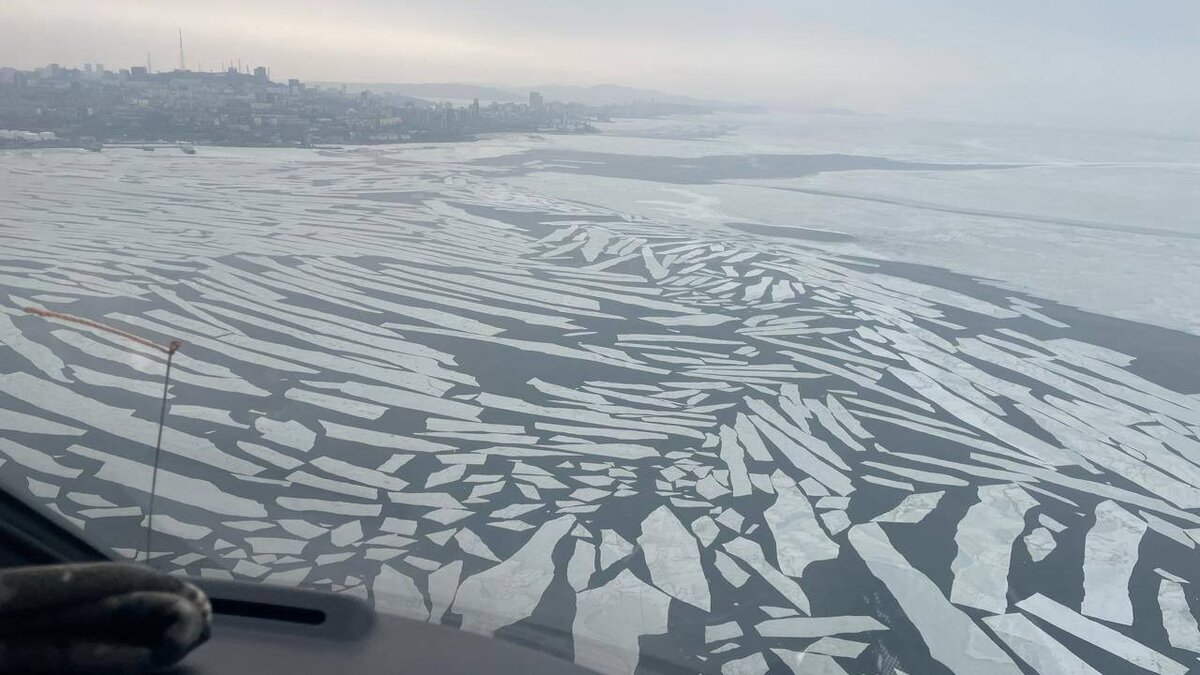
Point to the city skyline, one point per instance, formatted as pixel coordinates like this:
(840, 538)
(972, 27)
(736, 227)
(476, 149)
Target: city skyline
(237, 65)
(93, 107)
(1072, 63)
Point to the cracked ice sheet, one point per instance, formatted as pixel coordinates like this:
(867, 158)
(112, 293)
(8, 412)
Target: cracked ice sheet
(119, 422)
(985, 538)
(841, 295)
(610, 619)
(191, 492)
(1109, 555)
(951, 635)
(37, 354)
(507, 593)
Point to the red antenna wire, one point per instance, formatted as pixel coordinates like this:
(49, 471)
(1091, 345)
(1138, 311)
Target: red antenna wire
(50, 314)
(170, 349)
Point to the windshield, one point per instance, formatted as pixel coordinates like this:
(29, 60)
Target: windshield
(679, 376)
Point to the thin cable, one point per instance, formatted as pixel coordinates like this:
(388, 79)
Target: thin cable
(162, 418)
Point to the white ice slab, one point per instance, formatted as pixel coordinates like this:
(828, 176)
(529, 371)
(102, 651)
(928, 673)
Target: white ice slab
(1040, 543)
(733, 572)
(11, 420)
(396, 593)
(1177, 616)
(799, 539)
(582, 565)
(37, 460)
(833, 646)
(1036, 647)
(985, 538)
(1110, 553)
(751, 553)
(609, 621)
(470, 543)
(443, 585)
(613, 547)
(911, 509)
(753, 664)
(951, 635)
(509, 592)
(1100, 635)
(673, 558)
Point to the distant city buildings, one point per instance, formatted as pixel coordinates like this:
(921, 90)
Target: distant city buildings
(90, 106)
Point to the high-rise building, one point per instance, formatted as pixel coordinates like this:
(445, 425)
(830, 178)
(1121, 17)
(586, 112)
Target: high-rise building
(536, 101)
(260, 73)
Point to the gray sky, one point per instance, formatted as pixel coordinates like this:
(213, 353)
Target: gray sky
(1128, 64)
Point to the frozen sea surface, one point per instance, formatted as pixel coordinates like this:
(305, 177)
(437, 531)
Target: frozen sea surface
(574, 393)
(1102, 222)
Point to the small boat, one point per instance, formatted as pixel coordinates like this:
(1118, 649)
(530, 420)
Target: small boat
(188, 149)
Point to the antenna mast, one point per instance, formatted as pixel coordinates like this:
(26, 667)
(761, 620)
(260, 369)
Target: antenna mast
(162, 418)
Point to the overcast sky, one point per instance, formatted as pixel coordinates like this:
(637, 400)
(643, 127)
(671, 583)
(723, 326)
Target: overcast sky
(1131, 64)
